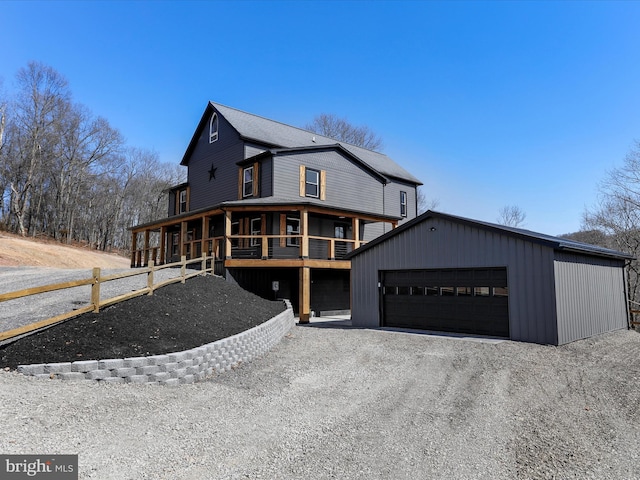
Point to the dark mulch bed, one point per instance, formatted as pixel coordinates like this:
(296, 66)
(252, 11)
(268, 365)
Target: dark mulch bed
(177, 317)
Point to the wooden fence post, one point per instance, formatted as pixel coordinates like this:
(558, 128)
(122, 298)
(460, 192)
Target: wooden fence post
(204, 262)
(150, 277)
(95, 290)
(183, 268)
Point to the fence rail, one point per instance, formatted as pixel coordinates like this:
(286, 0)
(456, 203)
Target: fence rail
(95, 303)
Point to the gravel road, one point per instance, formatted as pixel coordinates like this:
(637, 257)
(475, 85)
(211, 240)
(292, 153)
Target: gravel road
(353, 403)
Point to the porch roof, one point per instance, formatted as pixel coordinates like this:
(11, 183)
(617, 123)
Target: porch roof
(263, 204)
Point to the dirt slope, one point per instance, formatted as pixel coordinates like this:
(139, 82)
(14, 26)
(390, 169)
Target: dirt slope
(16, 251)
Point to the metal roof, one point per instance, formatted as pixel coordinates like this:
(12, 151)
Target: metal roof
(556, 243)
(277, 134)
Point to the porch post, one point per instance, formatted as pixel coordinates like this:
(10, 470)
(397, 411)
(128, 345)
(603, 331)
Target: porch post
(304, 226)
(134, 246)
(146, 247)
(305, 294)
(183, 236)
(356, 232)
(163, 244)
(227, 232)
(204, 244)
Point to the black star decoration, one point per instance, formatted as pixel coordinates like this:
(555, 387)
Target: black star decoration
(212, 172)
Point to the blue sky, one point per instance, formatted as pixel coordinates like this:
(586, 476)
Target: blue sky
(488, 103)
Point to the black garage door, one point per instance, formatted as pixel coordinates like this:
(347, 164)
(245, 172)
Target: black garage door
(472, 300)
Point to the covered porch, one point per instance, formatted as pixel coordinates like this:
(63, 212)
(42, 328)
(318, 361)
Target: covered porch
(301, 237)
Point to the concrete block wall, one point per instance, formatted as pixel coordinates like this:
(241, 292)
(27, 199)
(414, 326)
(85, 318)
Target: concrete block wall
(176, 368)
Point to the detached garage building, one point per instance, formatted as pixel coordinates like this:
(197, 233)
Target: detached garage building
(445, 273)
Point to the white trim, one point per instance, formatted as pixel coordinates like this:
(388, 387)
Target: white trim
(256, 241)
(245, 182)
(307, 183)
(213, 128)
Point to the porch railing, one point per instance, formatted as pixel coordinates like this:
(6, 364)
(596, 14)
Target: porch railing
(257, 247)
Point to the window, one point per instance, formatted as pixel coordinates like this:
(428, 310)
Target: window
(481, 291)
(403, 204)
(431, 291)
(182, 207)
(404, 290)
(247, 182)
(312, 183)
(389, 290)
(500, 292)
(447, 291)
(256, 229)
(293, 228)
(175, 243)
(340, 230)
(235, 230)
(213, 128)
(464, 291)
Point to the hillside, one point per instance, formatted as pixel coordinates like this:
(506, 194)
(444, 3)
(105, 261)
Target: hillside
(16, 251)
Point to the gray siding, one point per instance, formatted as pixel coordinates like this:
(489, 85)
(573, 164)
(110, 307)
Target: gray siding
(454, 245)
(251, 150)
(590, 296)
(373, 230)
(223, 154)
(348, 185)
(392, 200)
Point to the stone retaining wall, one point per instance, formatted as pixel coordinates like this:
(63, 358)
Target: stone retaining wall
(188, 366)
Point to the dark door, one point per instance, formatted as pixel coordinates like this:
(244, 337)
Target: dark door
(469, 300)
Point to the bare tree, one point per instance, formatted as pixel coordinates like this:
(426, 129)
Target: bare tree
(340, 129)
(67, 174)
(618, 215)
(424, 203)
(511, 216)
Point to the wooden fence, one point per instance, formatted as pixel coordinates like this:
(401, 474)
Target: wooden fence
(95, 304)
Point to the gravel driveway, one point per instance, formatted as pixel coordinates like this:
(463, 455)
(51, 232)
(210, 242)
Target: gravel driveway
(353, 403)
(26, 310)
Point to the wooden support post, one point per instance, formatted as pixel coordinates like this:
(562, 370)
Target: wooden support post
(204, 244)
(134, 246)
(332, 249)
(264, 243)
(95, 290)
(150, 277)
(227, 232)
(183, 237)
(163, 245)
(304, 226)
(305, 295)
(356, 232)
(203, 264)
(183, 269)
(146, 247)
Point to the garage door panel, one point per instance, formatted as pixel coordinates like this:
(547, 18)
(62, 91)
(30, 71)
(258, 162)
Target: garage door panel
(451, 300)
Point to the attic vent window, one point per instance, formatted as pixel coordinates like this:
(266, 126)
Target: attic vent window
(213, 128)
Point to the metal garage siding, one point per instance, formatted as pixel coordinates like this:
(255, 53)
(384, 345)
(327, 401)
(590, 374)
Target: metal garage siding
(590, 295)
(456, 245)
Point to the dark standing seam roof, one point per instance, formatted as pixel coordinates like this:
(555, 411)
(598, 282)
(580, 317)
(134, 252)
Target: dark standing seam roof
(556, 243)
(276, 134)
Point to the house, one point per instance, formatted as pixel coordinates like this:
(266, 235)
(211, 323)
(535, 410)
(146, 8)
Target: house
(446, 273)
(278, 207)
